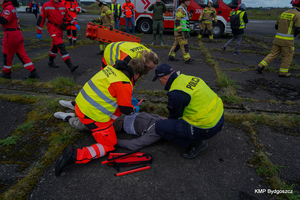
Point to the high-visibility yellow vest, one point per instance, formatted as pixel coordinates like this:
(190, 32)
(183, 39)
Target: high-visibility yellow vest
(117, 8)
(242, 23)
(94, 99)
(120, 50)
(205, 108)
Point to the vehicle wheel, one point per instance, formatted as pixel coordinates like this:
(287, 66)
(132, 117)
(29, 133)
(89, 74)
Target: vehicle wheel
(28, 10)
(218, 30)
(145, 26)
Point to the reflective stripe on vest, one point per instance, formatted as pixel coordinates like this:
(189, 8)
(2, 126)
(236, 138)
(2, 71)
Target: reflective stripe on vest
(205, 108)
(117, 50)
(113, 9)
(185, 21)
(94, 99)
(288, 35)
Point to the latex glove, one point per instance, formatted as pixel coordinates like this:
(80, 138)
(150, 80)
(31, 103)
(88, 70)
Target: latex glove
(39, 36)
(134, 102)
(78, 27)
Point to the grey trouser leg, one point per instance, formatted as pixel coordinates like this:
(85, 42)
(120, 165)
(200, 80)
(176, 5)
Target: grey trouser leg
(238, 39)
(77, 124)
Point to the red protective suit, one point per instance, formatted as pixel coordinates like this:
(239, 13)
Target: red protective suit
(13, 38)
(73, 9)
(55, 13)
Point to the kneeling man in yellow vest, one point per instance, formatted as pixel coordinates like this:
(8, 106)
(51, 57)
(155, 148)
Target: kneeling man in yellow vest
(196, 113)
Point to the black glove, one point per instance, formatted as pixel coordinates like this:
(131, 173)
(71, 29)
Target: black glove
(111, 28)
(186, 34)
(179, 33)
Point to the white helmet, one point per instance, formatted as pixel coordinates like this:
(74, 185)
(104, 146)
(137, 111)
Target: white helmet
(210, 1)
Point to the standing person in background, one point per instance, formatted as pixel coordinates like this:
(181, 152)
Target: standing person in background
(56, 14)
(106, 19)
(73, 9)
(13, 41)
(208, 14)
(182, 33)
(128, 9)
(159, 8)
(35, 8)
(238, 33)
(116, 9)
(288, 27)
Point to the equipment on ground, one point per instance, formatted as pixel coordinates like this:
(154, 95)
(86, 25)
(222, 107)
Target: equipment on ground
(105, 34)
(118, 160)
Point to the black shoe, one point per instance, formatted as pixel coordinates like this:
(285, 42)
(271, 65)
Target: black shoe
(260, 69)
(171, 58)
(33, 74)
(5, 75)
(68, 157)
(74, 43)
(70, 65)
(194, 150)
(52, 64)
(70, 42)
(100, 53)
(223, 48)
(189, 61)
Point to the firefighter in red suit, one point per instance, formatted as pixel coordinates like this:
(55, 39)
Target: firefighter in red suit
(56, 14)
(73, 9)
(13, 40)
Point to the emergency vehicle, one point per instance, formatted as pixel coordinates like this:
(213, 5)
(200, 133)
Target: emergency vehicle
(143, 17)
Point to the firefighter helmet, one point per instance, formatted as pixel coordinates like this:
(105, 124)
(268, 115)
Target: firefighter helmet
(295, 2)
(210, 1)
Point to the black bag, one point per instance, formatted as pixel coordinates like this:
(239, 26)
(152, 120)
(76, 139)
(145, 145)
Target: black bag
(235, 20)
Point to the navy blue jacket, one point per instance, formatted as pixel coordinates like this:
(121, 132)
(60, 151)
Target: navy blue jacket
(177, 100)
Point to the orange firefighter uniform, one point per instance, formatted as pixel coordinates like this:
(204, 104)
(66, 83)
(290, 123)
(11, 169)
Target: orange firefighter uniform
(288, 27)
(73, 9)
(207, 17)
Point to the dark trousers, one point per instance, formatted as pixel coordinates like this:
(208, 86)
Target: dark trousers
(183, 134)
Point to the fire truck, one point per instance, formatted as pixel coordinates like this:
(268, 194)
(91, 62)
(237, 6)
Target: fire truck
(143, 17)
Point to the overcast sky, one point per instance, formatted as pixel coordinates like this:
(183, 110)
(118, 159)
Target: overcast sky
(267, 3)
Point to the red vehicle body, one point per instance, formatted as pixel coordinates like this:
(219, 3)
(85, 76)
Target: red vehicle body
(143, 17)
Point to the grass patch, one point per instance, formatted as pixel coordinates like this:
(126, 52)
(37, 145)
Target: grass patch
(60, 83)
(10, 140)
(156, 108)
(263, 14)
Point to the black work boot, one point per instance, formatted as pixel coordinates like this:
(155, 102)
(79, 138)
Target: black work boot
(171, 58)
(189, 61)
(68, 157)
(195, 149)
(51, 63)
(5, 75)
(70, 65)
(260, 69)
(70, 42)
(33, 74)
(74, 43)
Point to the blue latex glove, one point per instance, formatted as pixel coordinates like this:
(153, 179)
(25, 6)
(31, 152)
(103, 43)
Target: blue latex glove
(134, 102)
(78, 27)
(39, 36)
